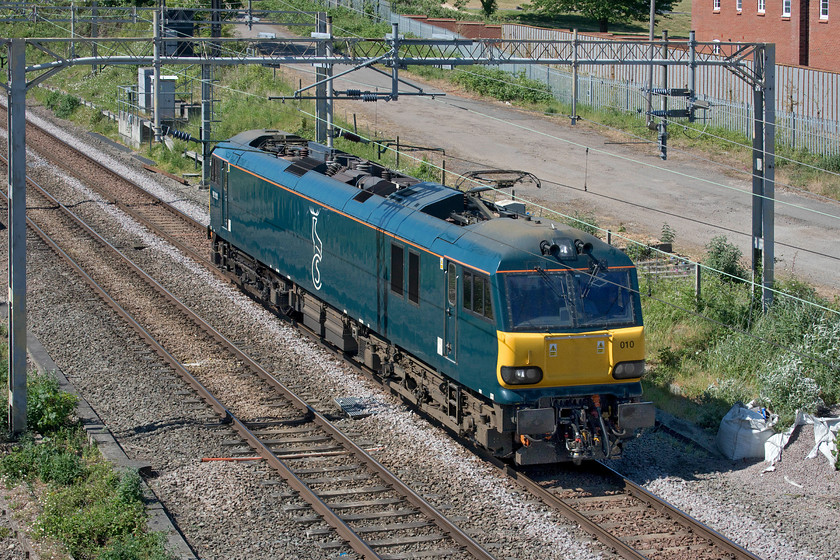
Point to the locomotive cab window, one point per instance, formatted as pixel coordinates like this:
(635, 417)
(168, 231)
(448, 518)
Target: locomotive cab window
(214, 170)
(397, 269)
(413, 277)
(477, 295)
(555, 300)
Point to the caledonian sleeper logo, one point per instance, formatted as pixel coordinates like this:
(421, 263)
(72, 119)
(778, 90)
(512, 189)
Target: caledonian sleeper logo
(317, 249)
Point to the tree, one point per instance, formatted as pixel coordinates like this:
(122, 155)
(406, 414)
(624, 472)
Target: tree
(488, 7)
(602, 11)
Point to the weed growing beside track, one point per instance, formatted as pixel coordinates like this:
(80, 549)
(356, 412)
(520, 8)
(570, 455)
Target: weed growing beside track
(707, 353)
(89, 508)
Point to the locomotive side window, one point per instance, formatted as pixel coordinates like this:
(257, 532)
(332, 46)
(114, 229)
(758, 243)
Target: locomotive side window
(413, 277)
(214, 171)
(397, 269)
(477, 297)
(468, 289)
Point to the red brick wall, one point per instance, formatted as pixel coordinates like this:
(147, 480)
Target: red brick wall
(728, 24)
(824, 37)
(749, 26)
(469, 29)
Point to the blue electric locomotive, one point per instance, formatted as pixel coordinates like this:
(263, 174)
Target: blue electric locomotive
(522, 334)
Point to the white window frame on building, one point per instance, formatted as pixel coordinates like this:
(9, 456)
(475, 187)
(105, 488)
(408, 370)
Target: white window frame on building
(716, 5)
(785, 8)
(739, 5)
(762, 5)
(823, 9)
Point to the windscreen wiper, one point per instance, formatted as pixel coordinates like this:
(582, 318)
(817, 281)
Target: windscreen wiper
(596, 268)
(551, 285)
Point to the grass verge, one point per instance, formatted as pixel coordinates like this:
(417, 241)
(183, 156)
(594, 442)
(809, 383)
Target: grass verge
(91, 510)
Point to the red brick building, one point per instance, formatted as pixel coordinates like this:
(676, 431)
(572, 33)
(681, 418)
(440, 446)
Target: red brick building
(806, 32)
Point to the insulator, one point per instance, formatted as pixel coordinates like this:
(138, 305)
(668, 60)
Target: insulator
(351, 136)
(354, 93)
(180, 134)
(368, 96)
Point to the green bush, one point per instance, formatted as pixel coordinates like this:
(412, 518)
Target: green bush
(584, 221)
(62, 468)
(48, 408)
(502, 85)
(784, 389)
(56, 459)
(638, 251)
(668, 234)
(93, 511)
(92, 514)
(62, 104)
(134, 547)
(723, 256)
(822, 340)
(130, 488)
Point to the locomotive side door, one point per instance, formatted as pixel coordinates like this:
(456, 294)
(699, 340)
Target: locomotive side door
(224, 197)
(449, 343)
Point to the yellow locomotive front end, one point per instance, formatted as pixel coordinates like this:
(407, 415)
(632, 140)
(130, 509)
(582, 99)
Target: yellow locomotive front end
(587, 358)
(574, 349)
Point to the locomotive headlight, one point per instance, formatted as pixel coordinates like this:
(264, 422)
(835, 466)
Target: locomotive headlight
(629, 370)
(526, 375)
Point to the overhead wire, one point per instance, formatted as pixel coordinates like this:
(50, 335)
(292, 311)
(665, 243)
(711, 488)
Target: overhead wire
(644, 163)
(672, 304)
(660, 300)
(752, 283)
(183, 73)
(573, 218)
(704, 132)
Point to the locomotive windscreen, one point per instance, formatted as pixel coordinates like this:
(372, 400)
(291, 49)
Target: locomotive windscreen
(552, 301)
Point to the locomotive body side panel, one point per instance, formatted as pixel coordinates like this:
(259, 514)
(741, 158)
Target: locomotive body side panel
(303, 229)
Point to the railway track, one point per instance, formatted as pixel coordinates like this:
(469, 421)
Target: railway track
(625, 516)
(653, 529)
(361, 506)
(158, 215)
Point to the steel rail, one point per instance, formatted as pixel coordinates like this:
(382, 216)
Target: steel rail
(599, 533)
(320, 507)
(624, 550)
(682, 518)
(127, 208)
(358, 544)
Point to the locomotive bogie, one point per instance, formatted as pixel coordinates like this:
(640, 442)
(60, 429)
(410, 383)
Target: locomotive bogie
(522, 335)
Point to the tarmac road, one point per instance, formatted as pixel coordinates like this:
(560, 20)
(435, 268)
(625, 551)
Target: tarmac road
(625, 185)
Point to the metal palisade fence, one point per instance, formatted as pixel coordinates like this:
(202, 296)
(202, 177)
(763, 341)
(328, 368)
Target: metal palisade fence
(807, 100)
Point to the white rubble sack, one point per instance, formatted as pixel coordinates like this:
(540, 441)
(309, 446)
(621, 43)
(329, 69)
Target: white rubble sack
(825, 438)
(743, 433)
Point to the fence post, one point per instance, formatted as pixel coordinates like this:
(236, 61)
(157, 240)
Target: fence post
(574, 75)
(627, 96)
(697, 282)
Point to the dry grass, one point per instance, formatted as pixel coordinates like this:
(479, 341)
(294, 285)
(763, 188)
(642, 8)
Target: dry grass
(677, 23)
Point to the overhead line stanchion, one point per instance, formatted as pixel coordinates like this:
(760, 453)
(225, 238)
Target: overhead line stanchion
(17, 236)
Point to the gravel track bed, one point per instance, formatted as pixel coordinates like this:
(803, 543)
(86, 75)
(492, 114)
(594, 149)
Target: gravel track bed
(231, 510)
